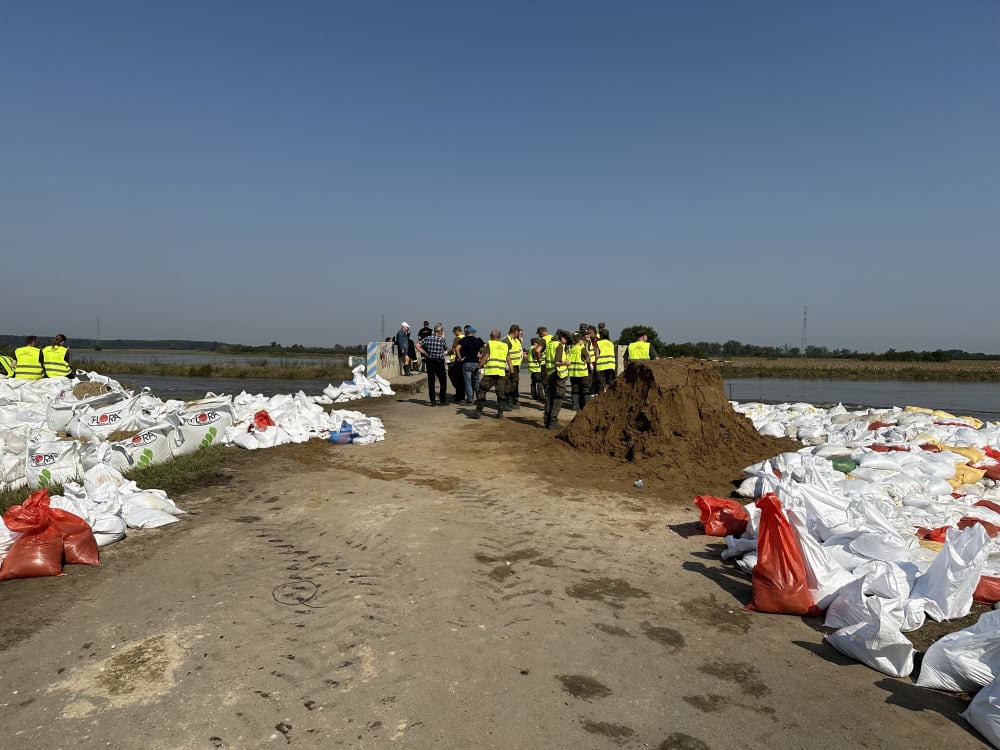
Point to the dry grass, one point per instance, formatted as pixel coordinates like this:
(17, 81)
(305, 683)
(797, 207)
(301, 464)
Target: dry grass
(968, 371)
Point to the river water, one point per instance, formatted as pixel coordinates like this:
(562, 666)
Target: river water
(196, 358)
(980, 400)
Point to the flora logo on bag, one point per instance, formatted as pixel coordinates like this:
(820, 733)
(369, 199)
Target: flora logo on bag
(203, 418)
(143, 438)
(103, 420)
(42, 459)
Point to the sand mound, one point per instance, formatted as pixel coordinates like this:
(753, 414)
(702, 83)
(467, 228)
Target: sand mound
(671, 419)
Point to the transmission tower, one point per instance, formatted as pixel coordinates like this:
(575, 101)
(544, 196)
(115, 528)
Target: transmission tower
(805, 310)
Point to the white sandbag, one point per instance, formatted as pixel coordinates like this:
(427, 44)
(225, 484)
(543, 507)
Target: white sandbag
(50, 462)
(966, 660)
(141, 517)
(952, 577)
(7, 539)
(737, 547)
(148, 447)
(200, 426)
(102, 421)
(877, 642)
(824, 576)
(983, 713)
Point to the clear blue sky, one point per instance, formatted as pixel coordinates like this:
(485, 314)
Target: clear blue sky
(295, 171)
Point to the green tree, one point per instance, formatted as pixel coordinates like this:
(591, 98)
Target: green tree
(630, 334)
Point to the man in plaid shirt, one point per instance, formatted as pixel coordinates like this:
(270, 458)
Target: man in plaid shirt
(433, 348)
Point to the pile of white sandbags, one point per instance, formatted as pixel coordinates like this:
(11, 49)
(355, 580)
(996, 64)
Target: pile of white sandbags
(885, 518)
(49, 435)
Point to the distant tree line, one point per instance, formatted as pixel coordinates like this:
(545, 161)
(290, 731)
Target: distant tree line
(733, 348)
(273, 349)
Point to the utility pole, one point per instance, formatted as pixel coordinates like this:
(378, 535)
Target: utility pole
(98, 347)
(382, 337)
(804, 311)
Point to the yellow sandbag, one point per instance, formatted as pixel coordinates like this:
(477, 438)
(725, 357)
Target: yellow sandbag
(965, 474)
(973, 454)
(918, 409)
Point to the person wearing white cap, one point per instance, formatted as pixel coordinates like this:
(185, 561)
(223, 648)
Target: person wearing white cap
(403, 346)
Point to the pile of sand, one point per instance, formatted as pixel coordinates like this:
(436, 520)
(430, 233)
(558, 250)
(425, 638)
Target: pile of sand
(671, 420)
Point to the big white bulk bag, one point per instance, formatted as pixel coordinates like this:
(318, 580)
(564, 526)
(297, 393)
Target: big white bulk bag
(50, 462)
(102, 421)
(199, 427)
(152, 445)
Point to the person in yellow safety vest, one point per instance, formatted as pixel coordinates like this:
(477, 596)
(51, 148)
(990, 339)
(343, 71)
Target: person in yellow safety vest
(535, 368)
(640, 349)
(494, 359)
(605, 366)
(556, 369)
(579, 371)
(513, 340)
(455, 366)
(29, 360)
(54, 358)
(545, 337)
(6, 366)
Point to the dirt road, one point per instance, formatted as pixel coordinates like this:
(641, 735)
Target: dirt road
(464, 584)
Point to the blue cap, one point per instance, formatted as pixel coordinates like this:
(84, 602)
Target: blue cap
(470, 329)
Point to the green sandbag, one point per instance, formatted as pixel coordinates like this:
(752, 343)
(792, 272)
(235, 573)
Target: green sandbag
(843, 464)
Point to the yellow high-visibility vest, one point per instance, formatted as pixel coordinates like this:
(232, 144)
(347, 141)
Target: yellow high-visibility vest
(638, 350)
(29, 366)
(605, 355)
(577, 367)
(516, 352)
(6, 365)
(54, 359)
(496, 360)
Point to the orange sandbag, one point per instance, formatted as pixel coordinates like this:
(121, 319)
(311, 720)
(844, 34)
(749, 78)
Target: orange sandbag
(31, 516)
(988, 590)
(79, 544)
(991, 452)
(722, 517)
(940, 534)
(262, 420)
(34, 555)
(780, 584)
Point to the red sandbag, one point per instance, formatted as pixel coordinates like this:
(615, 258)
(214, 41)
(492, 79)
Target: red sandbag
(991, 452)
(992, 471)
(31, 516)
(34, 555)
(722, 517)
(930, 447)
(933, 535)
(877, 425)
(987, 504)
(780, 584)
(262, 420)
(987, 591)
(967, 521)
(79, 544)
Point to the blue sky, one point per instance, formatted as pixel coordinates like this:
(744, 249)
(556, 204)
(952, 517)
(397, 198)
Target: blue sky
(299, 171)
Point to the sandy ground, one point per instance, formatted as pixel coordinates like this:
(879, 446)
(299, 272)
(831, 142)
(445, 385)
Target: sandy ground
(464, 584)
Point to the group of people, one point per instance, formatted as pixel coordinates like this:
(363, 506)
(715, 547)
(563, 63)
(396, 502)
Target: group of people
(33, 363)
(582, 362)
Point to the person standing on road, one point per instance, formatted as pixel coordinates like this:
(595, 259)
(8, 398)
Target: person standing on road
(640, 349)
(544, 337)
(455, 365)
(513, 388)
(534, 355)
(494, 359)
(468, 351)
(579, 371)
(54, 358)
(29, 360)
(556, 368)
(433, 347)
(604, 368)
(403, 347)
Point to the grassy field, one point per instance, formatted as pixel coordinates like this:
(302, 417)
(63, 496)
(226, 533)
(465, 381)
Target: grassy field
(960, 371)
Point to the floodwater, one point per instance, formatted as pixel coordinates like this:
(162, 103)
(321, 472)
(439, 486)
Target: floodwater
(980, 400)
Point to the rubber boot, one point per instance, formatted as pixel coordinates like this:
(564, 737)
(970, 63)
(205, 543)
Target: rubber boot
(479, 410)
(500, 411)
